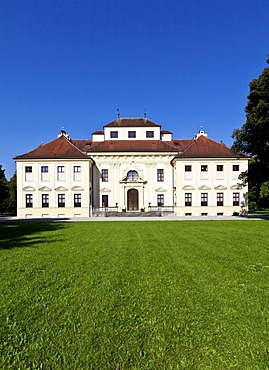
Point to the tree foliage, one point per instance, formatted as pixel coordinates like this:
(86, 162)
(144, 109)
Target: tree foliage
(8, 193)
(253, 138)
(4, 193)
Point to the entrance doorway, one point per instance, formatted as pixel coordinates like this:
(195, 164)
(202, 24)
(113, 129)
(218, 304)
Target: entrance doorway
(132, 200)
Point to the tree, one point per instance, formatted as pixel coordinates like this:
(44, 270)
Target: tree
(253, 138)
(12, 201)
(4, 194)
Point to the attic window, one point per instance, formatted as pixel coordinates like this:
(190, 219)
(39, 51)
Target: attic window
(176, 144)
(149, 134)
(88, 144)
(131, 134)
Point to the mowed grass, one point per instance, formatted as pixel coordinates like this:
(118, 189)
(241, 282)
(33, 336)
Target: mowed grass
(134, 295)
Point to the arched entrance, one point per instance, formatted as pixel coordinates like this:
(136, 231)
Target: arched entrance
(132, 200)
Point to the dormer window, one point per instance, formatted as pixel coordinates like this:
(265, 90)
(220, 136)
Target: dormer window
(131, 134)
(114, 134)
(132, 176)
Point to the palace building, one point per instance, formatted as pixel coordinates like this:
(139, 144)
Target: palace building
(131, 165)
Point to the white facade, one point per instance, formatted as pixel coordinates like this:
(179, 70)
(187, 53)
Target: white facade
(130, 166)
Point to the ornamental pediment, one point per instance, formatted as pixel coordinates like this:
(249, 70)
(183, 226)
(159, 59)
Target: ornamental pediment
(105, 190)
(77, 188)
(204, 187)
(220, 187)
(45, 188)
(188, 187)
(236, 187)
(160, 190)
(28, 188)
(61, 188)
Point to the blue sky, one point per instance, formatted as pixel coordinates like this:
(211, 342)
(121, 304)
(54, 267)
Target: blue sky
(72, 63)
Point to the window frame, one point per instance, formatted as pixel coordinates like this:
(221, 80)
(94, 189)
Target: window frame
(61, 200)
(60, 173)
(132, 175)
(46, 168)
(114, 134)
(204, 199)
(188, 199)
(220, 199)
(204, 168)
(160, 200)
(45, 201)
(104, 174)
(131, 134)
(104, 200)
(28, 173)
(160, 175)
(77, 173)
(149, 134)
(77, 200)
(236, 199)
(28, 200)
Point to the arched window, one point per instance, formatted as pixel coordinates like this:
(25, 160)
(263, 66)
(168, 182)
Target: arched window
(132, 176)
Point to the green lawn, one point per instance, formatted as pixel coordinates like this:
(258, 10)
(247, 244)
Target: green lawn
(134, 295)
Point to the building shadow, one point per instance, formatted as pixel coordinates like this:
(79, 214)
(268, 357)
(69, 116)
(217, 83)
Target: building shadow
(26, 233)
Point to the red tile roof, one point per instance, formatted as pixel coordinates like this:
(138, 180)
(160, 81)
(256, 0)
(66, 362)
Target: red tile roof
(182, 144)
(83, 145)
(132, 146)
(132, 122)
(98, 132)
(203, 147)
(166, 132)
(56, 149)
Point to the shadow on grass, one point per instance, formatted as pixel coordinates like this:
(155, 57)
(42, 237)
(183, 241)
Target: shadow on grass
(25, 234)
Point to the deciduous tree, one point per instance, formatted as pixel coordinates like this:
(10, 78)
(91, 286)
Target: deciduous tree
(4, 194)
(253, 137)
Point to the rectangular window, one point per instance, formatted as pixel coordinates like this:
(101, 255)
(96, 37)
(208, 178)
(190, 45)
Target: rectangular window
(235, 167)
(104, 175)
(77, 173)
(149, 134)
(61, 200)
(220, 197)
(44, 169)
(160, 174)
(204, 172)
(188, 172)
(77, 200)
(29, 200)
(204, 199)
(219, 167)
(28, 173)
(45, 200)
(113, 134)
(236, 199)
(104, 200)
(44, 173)
(160, 200)
(60, 173)
(131, 134)
(188, 199)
